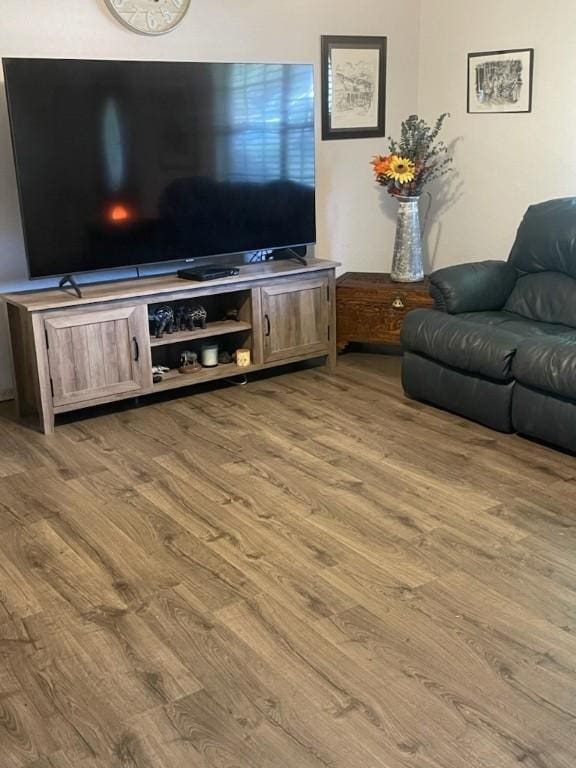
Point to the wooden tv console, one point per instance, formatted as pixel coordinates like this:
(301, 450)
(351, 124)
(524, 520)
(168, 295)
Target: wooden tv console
(71, 353)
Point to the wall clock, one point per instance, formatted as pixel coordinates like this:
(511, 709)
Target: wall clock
(149, 17)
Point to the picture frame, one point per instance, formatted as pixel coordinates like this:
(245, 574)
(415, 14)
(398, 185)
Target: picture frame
(500, 81)
(353, 86)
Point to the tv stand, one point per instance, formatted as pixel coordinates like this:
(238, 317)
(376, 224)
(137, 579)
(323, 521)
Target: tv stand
(74, 352)
(71, 281)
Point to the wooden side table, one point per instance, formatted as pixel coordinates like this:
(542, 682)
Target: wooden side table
(371, 308)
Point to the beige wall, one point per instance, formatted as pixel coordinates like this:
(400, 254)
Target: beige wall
(504, 162)
(351, 226)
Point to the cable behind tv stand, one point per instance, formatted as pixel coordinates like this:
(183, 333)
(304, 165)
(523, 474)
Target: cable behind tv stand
(74, 352)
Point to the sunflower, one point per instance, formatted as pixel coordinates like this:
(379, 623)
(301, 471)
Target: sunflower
(401, 169)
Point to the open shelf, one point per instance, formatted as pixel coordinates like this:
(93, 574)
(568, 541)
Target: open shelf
(174, 379)
(217, 328)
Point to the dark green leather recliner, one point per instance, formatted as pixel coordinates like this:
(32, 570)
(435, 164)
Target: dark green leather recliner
(500, 346)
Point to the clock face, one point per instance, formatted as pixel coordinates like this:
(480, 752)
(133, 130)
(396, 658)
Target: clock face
(149, 17)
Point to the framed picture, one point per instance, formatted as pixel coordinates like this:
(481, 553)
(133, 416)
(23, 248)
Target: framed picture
(500, 81)
(353, 87)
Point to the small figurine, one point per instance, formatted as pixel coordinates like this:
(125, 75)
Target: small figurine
(189, 362)
(232, 314)
(188, 316)
(224, 357)
(162, 319)
(158, 372)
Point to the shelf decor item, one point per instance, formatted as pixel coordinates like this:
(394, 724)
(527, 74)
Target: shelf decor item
(500, 81)
(189, 362)
(353, 87)
(243, 358)
(158, 372)
(232, 314)
(162, 319)
(414, 161)
(209, 355)
(224, 357)
(189, 317)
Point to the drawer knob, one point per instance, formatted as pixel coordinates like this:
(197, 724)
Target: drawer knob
(398, 303)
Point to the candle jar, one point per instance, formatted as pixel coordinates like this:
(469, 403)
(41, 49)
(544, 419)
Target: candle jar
(209, 355)
(243, 358)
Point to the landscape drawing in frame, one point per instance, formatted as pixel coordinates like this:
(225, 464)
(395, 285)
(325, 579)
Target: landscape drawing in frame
(353, 87)
(500, 81)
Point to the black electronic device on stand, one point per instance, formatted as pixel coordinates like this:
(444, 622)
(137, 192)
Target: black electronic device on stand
(208, 272)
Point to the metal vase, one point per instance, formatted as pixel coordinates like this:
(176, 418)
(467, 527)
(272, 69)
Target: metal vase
(407, 266)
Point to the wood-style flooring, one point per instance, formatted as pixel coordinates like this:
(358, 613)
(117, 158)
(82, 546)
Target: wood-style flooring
(307, 572)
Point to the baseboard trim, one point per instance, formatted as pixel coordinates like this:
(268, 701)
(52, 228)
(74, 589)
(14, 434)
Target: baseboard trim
(6, 394)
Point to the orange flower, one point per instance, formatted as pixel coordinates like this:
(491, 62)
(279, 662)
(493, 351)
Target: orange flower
(381, 164)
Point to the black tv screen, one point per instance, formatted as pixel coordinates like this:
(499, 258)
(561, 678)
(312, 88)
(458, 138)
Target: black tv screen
(129, 163)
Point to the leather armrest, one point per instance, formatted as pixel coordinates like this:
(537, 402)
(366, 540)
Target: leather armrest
(476, 287)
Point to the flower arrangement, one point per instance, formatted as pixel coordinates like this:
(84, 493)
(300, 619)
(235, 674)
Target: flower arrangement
(417, 159)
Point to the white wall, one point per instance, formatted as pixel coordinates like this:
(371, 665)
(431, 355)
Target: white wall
(352, 228)
(504, 162)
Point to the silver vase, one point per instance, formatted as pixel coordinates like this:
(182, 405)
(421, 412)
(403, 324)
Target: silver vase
(407, 264)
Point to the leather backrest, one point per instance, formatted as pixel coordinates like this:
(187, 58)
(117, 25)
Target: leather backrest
(546, 238)
(549, 297)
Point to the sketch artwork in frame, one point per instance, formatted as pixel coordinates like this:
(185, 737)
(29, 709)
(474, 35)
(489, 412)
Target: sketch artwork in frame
(500, 81)
(353, 87)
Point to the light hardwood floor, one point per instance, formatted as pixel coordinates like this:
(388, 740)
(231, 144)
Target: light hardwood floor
(308, 572)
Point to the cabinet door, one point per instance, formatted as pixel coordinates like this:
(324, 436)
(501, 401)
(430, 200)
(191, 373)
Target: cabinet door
(295, 318)
(97, 354)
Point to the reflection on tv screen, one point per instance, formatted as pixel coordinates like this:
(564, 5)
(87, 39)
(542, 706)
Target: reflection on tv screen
(125, 163)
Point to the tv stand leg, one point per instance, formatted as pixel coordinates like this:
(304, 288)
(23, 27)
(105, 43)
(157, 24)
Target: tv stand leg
(288, 254)
(71, 281)
(293, 255)
(47, 422)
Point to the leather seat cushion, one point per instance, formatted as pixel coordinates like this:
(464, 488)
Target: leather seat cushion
(483, 343)
(460, 343)
(548, 364)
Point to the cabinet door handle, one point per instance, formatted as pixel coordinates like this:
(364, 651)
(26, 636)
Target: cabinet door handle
(136, 349)
(267, 321)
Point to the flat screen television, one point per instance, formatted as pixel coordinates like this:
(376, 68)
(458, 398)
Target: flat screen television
(125, 163)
